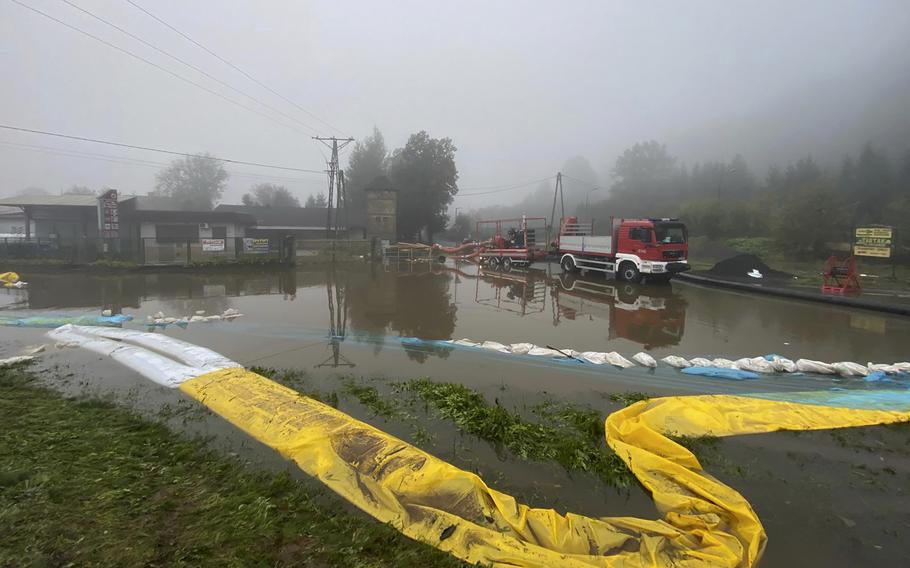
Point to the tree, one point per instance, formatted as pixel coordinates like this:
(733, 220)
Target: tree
(319, 201)
(79, 190)
(645, 167)
(462, 227)
(270, 195)
(197, 182)
(426, 178)
(368, 161)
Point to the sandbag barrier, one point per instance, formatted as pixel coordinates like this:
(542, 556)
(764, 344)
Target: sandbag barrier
(744, 368)
(702, 521)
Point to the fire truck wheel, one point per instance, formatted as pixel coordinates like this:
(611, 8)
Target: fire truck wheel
(568, 265)
(493, 262)
(507, 264)
(629, 272)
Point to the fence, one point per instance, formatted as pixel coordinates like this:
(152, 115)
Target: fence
(85, 250)
(153, 251)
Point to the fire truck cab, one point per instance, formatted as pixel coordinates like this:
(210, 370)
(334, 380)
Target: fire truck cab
(634, 249)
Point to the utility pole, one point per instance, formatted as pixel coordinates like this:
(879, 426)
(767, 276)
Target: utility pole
(562, 204)
(333, 173)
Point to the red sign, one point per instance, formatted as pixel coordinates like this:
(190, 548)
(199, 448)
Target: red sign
(108, 215)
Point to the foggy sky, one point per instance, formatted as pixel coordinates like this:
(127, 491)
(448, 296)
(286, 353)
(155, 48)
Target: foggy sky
(519, 86)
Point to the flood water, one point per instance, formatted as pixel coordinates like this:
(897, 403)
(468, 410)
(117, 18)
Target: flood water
(348, 320)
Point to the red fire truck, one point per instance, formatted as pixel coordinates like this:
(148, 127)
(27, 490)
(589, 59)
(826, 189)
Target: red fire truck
(634, 248)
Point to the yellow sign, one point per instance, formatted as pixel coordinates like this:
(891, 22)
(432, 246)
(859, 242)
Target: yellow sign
(873, 241)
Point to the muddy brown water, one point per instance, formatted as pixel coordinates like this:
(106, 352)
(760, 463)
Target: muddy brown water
(825, 499)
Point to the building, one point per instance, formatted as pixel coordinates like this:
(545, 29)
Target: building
(12, 223)
(382, 214)
(159, 230)
(302, 223)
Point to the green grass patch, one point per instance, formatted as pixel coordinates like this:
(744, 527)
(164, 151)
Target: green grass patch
(85, 483)
(627, 398)
(571, 437)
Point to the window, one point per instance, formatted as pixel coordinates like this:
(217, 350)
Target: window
(670, 234)
(173, 233)
(219, 232)
(640, 234)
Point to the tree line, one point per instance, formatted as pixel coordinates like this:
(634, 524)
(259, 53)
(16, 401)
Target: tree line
(802, 205)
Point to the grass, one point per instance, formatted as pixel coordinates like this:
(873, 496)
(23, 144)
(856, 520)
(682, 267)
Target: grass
(571, 437)
(83, 482)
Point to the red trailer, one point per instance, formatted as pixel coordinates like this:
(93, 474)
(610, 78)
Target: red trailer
(524, 242)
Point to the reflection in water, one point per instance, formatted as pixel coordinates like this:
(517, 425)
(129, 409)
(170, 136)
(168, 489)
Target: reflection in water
(367, 304)
(653, 316)
(649, 315)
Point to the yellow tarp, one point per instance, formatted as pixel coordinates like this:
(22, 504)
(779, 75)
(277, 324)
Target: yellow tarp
(703, 522)
(8, 278)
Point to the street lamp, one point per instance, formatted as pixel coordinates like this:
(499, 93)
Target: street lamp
(587, 195)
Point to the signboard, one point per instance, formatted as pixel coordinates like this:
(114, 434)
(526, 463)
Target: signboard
(108, 215)
(212, 245)
(873, 241)
(255, 246)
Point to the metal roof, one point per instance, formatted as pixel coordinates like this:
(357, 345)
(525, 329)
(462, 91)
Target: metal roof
(285, 218)
(67, 200)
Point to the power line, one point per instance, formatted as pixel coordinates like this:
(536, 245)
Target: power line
(159, 150)
(509, 188)
(231, 65)
(185, 63)
(127, 161)
(580, 180)
(156, 66)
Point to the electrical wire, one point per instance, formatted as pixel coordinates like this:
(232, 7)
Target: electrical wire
(232, 66)
(159, 150)
(127, 161)
(187, 64)
(156, 66)
(504, 189)
(581, 181)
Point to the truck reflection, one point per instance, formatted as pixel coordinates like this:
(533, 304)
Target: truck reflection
(651, 315)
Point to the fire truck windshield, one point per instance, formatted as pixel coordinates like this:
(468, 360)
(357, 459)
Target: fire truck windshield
(670, 234)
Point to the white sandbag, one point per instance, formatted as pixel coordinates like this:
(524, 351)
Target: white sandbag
(701, 362)
(544, 352)
(107, 313)
(644, 359)
(34, 349)
(850, 369)
(722, 363)
(810, 366)
(494, 346)
(8, 362)
(595, 357)
(158, 315)
(754, 364)
(569, 352)
(231, 312)
(783, 365)
(885, 368)
(197, 318)
(211, 318)
(227, 317)
(521, 348)
(186, 353)
(466, 343)
(902, 367)
(200, 312)
(615, 358)
(676, 361)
